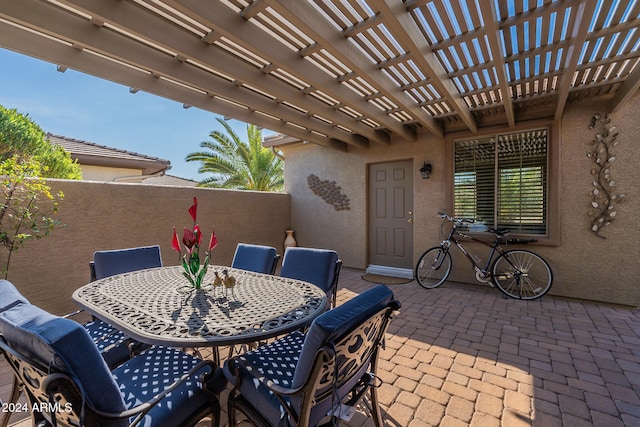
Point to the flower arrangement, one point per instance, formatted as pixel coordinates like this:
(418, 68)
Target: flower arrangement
(191, 238)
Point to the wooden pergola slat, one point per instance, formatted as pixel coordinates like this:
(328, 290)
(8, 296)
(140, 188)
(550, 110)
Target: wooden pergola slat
(306, 16)
(236, 28)
(83, 33)
(90, 63)
(347, 73)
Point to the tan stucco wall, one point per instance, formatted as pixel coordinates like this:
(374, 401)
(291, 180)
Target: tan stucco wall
(584, 265)
(593, 268)
(318, 224)
(100, 216)
(101, 173)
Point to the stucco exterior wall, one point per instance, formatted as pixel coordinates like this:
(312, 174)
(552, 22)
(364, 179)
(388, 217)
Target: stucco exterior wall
(595, 268)
(585, 266)
(101, 173)
(101, 216)
(318, 224)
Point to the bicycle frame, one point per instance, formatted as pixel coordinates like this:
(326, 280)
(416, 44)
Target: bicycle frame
(517, 273)
(453, 237)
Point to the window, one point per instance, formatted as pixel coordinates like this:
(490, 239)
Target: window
(501, 180)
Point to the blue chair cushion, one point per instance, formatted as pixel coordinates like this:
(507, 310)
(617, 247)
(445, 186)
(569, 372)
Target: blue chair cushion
(9, 295)
(287, 362)
(110, 263)
(65, 344)
(111, 342)
(154, 370)
(255, 258)
(317, 266)
(104, 335)
(276, 361)
(333, 324)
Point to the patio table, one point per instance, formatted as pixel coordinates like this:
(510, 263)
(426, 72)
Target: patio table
(158, 306)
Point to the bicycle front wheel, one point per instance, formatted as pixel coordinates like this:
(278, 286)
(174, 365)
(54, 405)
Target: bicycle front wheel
(522, 274)
(433, 268)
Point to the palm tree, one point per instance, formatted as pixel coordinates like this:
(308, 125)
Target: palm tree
(239, 165)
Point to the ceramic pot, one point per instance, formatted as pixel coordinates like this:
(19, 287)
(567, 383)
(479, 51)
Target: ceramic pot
(290, 240)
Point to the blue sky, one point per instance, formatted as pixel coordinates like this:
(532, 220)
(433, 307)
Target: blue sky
(81, 106)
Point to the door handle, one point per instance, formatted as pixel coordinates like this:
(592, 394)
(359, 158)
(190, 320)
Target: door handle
(410, 220)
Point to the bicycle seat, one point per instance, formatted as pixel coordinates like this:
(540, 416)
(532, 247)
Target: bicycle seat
(499, 231)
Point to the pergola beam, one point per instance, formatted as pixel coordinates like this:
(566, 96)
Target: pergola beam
(305, 16)
(627, 89)
(404, 28)
(584, 12)
(491, 19)
(348, 73)
(147, 26)
(57, 52)
(79, 32)
(234, 27)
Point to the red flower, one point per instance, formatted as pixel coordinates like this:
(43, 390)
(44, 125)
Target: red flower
(197, 233)
(213, 242)
(189, 239)
(175, 243)
(193, 210)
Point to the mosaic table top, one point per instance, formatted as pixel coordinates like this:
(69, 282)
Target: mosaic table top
(158, 306)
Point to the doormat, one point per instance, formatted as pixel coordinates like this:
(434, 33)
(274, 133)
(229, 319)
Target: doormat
(385, 280)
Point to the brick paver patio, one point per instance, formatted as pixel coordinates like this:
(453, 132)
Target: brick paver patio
(462, 355)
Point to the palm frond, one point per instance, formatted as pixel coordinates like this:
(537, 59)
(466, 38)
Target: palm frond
(237, 164)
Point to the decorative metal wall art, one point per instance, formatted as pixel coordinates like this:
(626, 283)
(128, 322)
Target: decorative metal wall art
(603, 196)
(329, 192)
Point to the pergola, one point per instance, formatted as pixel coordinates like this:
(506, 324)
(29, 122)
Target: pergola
(346, 73)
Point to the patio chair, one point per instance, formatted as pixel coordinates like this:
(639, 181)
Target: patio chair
(299, 379)
(9, 297)
(115, 346)
(318, 266)
(110, 263)
(112, 344)
(261, 259)
(68, 383)
(106, 337)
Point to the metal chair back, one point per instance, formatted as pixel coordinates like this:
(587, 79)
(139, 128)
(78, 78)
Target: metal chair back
(110, 263)
(312, 374)
(318, 266)
(257, 258)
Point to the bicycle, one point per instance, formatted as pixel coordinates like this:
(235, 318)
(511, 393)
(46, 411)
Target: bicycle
(518, 273)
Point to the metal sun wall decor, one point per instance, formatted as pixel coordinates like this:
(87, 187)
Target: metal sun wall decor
(329, 192)
(603, 195)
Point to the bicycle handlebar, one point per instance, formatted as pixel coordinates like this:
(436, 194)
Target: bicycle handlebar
(456, 220)
(510, 241)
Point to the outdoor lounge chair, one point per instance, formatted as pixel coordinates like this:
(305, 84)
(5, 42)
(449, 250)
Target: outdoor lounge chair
(67, 382)
(318, 266)
(298, 379)
(261, 259)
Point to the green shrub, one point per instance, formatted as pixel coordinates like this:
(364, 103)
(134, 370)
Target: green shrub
(20, 136)
(27, 159)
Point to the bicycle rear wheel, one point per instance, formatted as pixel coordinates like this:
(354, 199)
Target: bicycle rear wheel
(433, 268)
(522, 274)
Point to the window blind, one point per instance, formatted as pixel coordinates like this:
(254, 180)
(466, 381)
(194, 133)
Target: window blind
(501, 180)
